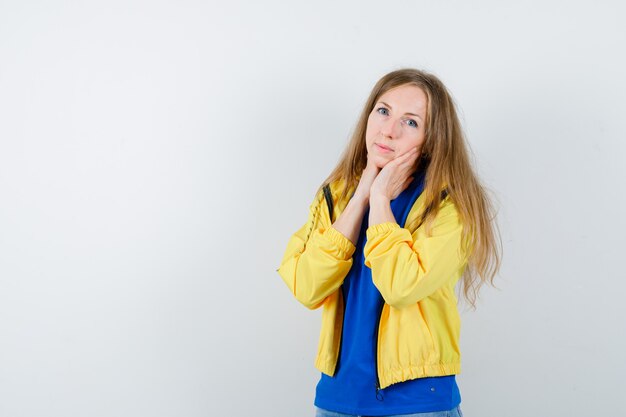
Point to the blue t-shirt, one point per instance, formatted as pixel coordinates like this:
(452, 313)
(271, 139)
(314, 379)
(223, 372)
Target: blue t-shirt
(353, 388)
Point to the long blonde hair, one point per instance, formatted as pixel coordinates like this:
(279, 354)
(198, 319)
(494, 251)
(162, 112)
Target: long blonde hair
(446, 160)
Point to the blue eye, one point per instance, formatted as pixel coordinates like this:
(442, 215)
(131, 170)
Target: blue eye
(412, 121)
(381, 108)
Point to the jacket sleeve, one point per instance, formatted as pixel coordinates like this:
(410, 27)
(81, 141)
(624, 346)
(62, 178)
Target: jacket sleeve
(317, 258)
(407, 268)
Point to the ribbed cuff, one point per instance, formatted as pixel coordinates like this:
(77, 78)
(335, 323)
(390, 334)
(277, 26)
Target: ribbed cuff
(381, 228)
(346, 247)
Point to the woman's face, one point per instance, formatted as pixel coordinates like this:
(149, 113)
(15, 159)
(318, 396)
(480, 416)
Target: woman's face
(396, 124)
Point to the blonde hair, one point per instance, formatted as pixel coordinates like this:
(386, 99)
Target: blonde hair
(446, 160)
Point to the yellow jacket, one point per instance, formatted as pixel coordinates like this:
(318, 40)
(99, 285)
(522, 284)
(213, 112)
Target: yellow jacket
(416, 274)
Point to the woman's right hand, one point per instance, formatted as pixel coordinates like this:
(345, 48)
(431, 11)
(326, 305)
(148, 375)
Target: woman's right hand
(368, 176)
(349, 221)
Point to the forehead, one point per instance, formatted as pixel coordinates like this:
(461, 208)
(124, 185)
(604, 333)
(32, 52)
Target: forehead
(408, 98)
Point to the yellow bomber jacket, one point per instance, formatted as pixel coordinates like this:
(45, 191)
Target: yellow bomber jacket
(416, 273)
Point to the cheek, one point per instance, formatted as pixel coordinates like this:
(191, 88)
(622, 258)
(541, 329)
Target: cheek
(373, 126)
(368, 141)
(417, 141)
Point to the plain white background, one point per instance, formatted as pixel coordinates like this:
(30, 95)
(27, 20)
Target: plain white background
(156, 156)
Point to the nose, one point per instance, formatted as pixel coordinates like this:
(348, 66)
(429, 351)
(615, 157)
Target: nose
(390, 128)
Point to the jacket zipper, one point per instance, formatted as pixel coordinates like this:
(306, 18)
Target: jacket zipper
(379, 395)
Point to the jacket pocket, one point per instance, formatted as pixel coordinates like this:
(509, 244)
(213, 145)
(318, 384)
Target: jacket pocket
(406, 341)
(330, 333)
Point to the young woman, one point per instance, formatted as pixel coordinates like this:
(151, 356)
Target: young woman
(397, 223)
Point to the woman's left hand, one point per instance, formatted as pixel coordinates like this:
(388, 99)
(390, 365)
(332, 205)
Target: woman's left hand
(395, 176)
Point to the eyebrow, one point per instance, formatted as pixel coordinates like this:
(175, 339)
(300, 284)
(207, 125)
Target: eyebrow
(410, 114)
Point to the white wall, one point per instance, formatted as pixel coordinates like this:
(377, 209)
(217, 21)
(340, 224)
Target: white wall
(155, 157)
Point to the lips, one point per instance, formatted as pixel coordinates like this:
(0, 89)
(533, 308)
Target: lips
(383, 147)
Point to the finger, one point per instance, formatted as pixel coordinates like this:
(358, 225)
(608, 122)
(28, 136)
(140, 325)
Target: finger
(411, 153)
(408, 152)
(404, 157)
(409, 160)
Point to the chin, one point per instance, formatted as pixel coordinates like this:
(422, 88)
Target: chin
(381, 162)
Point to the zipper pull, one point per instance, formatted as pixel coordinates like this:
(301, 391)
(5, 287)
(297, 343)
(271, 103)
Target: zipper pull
(379, 393)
